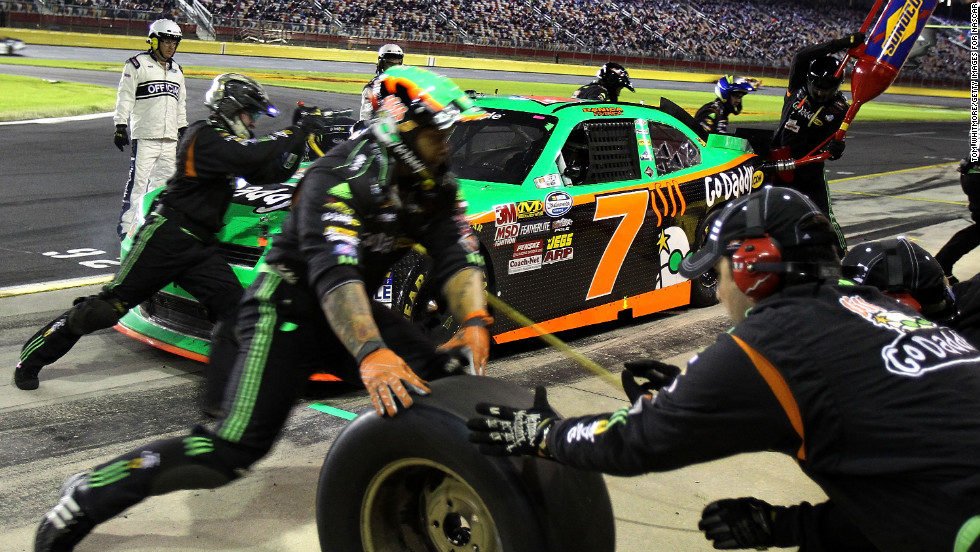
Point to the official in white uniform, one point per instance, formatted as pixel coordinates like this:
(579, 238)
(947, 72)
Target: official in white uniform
(150, 109)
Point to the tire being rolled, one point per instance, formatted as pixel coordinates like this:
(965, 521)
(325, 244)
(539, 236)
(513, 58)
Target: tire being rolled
(415, 483)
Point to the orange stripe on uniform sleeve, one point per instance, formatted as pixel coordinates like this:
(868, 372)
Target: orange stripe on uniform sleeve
(189, 169)
(779, 388)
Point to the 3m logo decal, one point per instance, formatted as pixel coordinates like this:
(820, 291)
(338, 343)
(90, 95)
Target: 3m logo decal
(506, 213)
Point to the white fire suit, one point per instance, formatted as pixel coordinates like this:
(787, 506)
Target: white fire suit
(151, 101)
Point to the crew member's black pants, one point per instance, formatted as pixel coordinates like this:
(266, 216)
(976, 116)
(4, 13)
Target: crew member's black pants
(967, 239)
(283, 336)
(162, 253)
(811, 181)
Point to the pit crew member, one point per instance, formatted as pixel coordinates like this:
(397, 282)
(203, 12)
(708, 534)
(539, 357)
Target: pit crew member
(177, 242)
(856, 387)
(813, 110)
(358, 208)
(610, 79)
(713, 116)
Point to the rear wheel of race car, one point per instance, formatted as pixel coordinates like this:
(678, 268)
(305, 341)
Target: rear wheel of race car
(414, 483)
(704, 288)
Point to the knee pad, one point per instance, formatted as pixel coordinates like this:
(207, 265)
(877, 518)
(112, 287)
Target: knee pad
(95, 313)
(200, 461)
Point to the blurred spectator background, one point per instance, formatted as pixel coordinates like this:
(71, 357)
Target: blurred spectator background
(756, 37)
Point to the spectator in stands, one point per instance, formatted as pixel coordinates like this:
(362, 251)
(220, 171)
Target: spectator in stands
(610, 79)
(389, 55)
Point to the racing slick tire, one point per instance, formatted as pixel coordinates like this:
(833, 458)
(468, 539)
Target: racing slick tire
(704, 288)
(415, 483)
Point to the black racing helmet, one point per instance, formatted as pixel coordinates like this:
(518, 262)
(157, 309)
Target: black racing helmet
(905, 271)
(232, 93)
(821, 83)
(614, 76)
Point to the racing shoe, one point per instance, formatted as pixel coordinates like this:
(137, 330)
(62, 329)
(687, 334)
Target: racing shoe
(25, 377)
(66, 524)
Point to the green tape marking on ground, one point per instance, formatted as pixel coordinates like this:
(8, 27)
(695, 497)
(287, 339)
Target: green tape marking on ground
(326, 409)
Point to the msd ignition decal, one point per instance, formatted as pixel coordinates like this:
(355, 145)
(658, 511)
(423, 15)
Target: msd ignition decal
(506, 226)
(729, 184)
(557, 203)
(920, 347)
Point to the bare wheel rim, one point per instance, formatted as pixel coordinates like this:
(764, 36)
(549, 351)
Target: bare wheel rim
(418, 505)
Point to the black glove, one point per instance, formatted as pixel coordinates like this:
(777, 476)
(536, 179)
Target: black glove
(848, 42)
(309, 119)
(735, 523)
(180, 132)
(121, 137)
(657, 375)
(512, 432)
(835, 148)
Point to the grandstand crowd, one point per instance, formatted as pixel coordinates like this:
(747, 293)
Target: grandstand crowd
(761, 32)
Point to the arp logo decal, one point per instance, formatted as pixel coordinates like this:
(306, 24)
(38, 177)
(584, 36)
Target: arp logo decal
(557, 203)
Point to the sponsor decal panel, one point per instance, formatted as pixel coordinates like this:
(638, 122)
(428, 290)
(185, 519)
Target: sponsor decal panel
(523, 264)
(920, 346)
(557, 203)
(557, 255)
(528, 248)
(529, 209)
(535, 228)
(728, 185)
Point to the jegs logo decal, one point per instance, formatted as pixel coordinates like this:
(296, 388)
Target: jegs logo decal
(920, 346)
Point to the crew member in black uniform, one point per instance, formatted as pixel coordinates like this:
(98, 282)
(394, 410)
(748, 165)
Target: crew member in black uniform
(610, 79)
(968, 238)
(177, 242)
(813, 110)
(713, 116)
(357, 209)
(875, 403)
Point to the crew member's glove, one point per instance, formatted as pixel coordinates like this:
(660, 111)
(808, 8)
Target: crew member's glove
(180, 133)
(121, 137)
(309, 119)
(736, 523)
(835, 148)
(849, 41)
(383, 373)
(472, 341)
(657, 375)
(513, 432)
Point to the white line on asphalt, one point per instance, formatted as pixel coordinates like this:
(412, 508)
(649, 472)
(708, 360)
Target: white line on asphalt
(27, 289)
(53, 120)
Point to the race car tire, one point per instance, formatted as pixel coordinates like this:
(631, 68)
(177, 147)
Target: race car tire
(415, 483)
(704, 288)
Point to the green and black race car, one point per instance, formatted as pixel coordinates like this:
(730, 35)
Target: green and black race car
(583, 210)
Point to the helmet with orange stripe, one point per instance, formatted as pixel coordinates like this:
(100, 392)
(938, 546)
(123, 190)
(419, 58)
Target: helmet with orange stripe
(407, 99)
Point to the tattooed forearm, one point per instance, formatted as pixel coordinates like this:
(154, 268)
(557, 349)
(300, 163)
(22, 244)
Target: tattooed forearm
(348, 311)
(466, 292)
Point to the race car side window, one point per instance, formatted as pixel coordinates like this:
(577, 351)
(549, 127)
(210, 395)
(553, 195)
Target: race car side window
(601, 151)
(672, 149)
